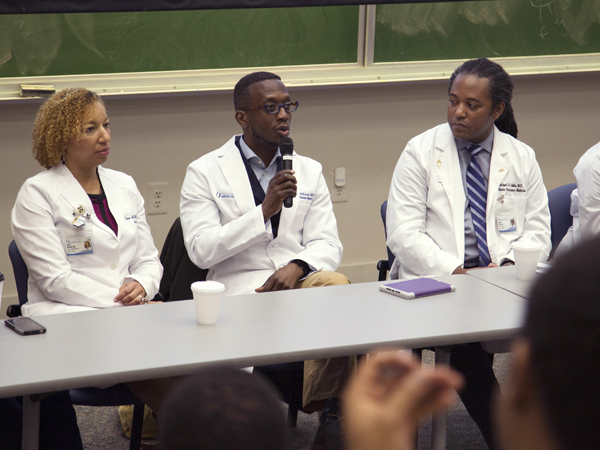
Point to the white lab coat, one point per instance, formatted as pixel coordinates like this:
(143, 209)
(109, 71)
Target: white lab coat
(42, 219)
(425, 212)
(587, 174)
(585, 201)
(573, 235)
(225, 231)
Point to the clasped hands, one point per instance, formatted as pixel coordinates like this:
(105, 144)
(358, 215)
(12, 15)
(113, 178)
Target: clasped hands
(131, 293)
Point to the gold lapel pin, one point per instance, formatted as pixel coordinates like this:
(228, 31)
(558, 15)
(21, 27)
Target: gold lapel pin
(439, 163)
(501, 170)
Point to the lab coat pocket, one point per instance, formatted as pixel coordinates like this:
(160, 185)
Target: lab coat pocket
(302, 207)
(300, 214)
(304, 201)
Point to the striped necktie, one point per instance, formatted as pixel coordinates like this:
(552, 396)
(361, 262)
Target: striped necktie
(477, 202)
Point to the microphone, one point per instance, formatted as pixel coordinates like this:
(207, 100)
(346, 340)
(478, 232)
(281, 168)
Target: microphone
(286, 145)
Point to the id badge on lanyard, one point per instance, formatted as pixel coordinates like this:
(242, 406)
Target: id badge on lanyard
(506, 217)
(79, 244)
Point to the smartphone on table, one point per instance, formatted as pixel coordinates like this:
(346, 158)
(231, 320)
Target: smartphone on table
(25, 326)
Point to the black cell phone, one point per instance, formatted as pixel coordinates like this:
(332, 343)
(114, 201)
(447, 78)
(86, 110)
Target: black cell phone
(25, 326)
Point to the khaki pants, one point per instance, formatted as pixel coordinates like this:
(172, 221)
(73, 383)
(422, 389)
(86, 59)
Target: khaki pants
(324, 378)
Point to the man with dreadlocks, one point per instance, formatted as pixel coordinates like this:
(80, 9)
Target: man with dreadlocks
(461, 194)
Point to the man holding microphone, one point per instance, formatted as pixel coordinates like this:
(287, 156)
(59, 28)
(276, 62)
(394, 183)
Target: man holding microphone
(235, 223)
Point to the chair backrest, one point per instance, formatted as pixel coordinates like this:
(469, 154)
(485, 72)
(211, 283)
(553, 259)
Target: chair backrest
(559, 202)
(383, 211)
(20, 271)
(179, 271)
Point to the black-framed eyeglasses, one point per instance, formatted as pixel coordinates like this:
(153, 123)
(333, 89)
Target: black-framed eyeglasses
(274, 108)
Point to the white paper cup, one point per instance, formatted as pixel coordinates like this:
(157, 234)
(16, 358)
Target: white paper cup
(207, 298)
(526, 259)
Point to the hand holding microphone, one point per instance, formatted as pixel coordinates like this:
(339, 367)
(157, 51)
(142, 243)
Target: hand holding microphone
(282, 187)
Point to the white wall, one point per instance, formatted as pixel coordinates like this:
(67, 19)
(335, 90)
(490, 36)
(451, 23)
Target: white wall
(362, 128)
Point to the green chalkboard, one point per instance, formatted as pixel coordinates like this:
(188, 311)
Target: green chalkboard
(99, 43)
(506, 28)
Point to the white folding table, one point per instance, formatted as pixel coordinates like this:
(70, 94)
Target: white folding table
(103, 347)
(504, 278)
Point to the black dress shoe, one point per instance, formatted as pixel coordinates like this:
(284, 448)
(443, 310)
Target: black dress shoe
(329, 434)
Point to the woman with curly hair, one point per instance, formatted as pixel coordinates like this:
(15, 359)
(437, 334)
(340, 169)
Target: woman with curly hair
(81, 228)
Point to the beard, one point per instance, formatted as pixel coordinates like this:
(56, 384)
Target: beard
(262, 139)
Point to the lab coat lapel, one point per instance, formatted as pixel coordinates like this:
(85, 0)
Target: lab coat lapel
(235, 173)
(114, 197)
(447, 166)
(499, 169)
(74, 194)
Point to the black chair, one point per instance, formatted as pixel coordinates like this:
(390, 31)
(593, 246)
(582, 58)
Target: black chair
(113, 396)
(179, 270)
(384, 265)
(21, 277)
(559, 203)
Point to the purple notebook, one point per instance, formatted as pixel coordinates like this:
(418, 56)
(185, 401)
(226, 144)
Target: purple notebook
(421, 287)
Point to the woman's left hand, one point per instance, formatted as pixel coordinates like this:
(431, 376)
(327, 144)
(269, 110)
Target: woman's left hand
(131, 293)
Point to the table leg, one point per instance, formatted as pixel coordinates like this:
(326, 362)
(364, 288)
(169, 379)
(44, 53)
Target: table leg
(438, 425)
(31, 422)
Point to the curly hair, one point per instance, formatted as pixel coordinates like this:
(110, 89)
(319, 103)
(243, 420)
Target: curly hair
(59, 120)
(501, 89)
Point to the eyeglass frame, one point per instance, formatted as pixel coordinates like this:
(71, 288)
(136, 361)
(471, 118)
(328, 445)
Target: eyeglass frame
(279, 105)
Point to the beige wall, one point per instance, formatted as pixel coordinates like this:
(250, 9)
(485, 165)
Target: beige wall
(361, 128)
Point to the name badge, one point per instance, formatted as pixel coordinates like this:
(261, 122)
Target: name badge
(79, 245)
(506, 221)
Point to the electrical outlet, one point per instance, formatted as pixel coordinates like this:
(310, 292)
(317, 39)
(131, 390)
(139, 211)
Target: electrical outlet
(339, 194)
(156, 198)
